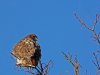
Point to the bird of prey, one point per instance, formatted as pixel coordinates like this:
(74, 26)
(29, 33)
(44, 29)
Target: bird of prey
(27, 52)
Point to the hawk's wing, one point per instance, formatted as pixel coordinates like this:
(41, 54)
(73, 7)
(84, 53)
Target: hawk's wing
(25, 48)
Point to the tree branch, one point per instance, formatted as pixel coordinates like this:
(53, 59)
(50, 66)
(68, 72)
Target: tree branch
(74, 63)
(92, 29)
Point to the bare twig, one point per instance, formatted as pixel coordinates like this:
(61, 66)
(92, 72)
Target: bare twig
(82, 22)
(74, 63)
(41, 67)
(43, 70)
(46, 68)
(68, 57)
(96, 62)
(92, 29)
(96, 21)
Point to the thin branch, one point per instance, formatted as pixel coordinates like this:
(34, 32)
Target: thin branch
(68, 57)
(96, 36)
(46, 68)
(82, 22)
(94, 64)
(74, 63)
(96, 21)
(96, 60)
(41, 67)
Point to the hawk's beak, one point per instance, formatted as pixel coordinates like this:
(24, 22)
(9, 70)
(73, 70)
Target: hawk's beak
(36, 38)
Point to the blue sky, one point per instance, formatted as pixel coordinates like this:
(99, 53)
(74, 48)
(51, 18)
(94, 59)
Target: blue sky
(56, 27)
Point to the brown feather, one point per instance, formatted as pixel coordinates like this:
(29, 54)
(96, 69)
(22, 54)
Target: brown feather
(27, 50)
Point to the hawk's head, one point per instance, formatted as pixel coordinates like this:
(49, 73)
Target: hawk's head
(32, 36)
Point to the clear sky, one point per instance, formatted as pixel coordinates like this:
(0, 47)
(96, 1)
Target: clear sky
(56, 27)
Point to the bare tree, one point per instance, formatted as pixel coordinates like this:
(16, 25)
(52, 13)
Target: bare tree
(96, 37)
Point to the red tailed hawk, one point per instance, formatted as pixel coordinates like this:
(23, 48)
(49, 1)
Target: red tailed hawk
(27, 51)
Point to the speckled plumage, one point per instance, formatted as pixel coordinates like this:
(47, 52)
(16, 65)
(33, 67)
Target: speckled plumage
(27, 51)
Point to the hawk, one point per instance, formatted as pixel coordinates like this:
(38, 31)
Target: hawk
(27, 52)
